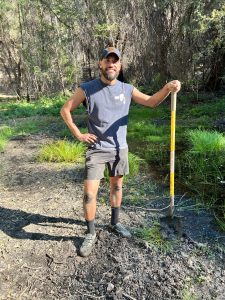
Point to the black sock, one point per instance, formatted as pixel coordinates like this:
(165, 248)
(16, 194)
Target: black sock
(90, 226)
(115, 215)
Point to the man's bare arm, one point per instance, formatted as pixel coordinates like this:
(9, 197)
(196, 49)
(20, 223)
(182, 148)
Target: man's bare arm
(66, 112)
(154, 100)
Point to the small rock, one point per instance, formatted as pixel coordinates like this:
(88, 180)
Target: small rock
(110, 287)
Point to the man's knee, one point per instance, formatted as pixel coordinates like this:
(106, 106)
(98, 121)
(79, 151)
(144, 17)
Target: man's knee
(116, 187)
(88, 198)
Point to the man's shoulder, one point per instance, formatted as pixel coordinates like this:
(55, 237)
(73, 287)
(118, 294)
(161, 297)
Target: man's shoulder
(90, 83)
(124, 83)
(127, 86)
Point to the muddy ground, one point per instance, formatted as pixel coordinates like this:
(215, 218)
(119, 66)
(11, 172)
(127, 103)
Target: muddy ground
(42, 227)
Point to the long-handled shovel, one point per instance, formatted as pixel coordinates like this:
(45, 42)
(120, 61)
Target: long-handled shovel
(172, 151)
(171, 220)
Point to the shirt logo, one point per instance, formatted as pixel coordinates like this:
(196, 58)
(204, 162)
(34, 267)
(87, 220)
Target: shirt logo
(121, 98)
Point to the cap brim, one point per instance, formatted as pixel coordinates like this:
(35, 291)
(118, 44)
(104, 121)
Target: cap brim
(112, 52)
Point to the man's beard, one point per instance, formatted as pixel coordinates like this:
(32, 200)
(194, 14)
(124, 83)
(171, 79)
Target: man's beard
(110, 76)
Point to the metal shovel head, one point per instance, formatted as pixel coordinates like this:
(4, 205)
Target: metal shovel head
(172, 225)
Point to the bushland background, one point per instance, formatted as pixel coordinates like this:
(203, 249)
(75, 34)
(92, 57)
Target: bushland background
(50, 46)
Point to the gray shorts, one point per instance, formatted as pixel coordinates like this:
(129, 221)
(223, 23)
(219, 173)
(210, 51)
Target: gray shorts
(116, 161)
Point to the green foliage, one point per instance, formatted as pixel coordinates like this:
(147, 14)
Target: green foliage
(44, 106)
(62, 151)
(146, 89)
(207, 142)
(157, 82)
(186, 292)
(221, 220)
(200, 154)
(35, 116)
(140, 113)
(5, 133)
(213, 108)
(63, 132)
(134, 164)
(154, 237)
(104, 30)
(22, 128)
(29, 126)
(158, 155)
(214, 19)
(202, 166)
(145, 128)
(153, 139)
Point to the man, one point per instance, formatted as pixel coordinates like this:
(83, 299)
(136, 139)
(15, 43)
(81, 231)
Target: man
(108, 102)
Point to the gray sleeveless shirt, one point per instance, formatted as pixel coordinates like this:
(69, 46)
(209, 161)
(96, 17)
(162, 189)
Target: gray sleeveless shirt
(107, 108)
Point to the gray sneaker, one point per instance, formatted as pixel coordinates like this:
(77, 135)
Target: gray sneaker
(87, 244)
(121, 230)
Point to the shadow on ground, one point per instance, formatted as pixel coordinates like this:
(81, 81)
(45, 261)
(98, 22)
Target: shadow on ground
(12, 223)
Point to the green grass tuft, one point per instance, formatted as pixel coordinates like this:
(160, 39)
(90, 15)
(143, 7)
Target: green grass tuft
(154, 237)
(5, 133)
(187, 294)
(134, 164)
(206, 142)
(63, 151)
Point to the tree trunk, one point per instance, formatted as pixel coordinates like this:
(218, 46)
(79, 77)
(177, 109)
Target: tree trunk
(217, 71)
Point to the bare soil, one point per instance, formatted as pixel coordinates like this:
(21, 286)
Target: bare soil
(42, 228)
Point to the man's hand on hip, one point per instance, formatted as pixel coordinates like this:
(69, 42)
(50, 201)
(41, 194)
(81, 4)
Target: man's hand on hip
(87, 138)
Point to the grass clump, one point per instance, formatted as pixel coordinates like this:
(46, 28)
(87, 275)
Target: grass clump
(153, 236)
(202, 167)
(134, 164)
(5, 133)
(187, 294)
(206, 142)
(63, 151)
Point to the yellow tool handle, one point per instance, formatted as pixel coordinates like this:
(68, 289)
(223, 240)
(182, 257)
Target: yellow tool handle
(172, 149)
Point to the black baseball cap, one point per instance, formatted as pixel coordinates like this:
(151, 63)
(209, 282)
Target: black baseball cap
(110, 50)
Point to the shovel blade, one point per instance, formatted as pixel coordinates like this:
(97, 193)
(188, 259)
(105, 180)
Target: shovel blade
(172, 224)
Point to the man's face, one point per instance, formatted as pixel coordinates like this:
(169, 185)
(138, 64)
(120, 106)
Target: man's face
(110, 66)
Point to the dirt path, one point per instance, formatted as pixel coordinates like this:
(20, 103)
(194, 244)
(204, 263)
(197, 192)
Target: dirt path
(42, 227)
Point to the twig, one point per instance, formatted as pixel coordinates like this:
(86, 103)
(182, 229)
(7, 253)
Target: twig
(27, 267)
(128, 296)
(146, 209)
(92, 282)
(103, 275)
(189, 206)
(157, 209)
(181, 198)
(90, 296)
(59, 193)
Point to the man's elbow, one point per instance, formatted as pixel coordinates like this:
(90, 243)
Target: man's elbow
(62, 112)
(151, 104)
(154, 105)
